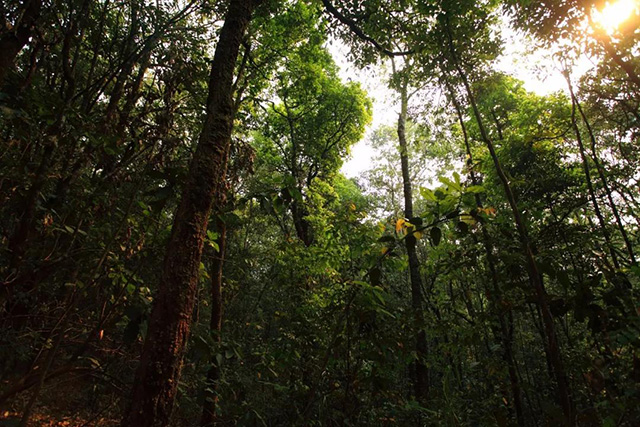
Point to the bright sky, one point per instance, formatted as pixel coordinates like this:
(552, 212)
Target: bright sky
(536, 68)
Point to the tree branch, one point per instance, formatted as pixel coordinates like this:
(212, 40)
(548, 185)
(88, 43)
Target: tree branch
(358, 32)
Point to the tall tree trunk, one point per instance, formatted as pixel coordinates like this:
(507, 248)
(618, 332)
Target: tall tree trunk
(601, 173)
(587, 174)
(158, 375)
(215, 328)
(12, 42)
(421, 384)
(555, 358)
(506, 329)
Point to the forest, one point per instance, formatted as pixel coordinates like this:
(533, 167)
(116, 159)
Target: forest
(182, 242)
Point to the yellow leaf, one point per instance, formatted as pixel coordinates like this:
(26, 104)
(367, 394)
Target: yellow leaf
(399, 224)
(490, 211)
(418, 235)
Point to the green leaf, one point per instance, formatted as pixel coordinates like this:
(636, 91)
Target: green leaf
(475, 189)
(417, 221)
(450, 184)
(428, 194)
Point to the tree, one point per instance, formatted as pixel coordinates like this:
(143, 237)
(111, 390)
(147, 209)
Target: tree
(306, 135)
(161, 361)
(15, 35)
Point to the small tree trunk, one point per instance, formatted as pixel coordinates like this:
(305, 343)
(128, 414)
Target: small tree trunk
(421, 384)
(587, 174)
(157, 378)
(215, 328)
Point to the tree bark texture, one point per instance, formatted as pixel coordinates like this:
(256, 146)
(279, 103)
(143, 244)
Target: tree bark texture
(157, 376)
(302, 226)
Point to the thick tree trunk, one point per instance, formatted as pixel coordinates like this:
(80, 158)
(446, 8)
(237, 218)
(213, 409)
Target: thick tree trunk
(215, 328)
(554, 356)
(12, 42)
(158, 375)
(421, 384)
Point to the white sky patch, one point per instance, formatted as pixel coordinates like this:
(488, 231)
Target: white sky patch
(539, 71)
(373, 79)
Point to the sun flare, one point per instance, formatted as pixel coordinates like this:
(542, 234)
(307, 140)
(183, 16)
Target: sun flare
(615, 13)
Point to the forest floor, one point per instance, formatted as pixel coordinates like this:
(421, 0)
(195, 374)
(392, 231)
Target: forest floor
(10, 419)
(62, 406)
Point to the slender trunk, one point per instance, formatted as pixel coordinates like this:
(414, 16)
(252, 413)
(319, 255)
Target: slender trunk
(590, 188)
(506, 331)
(18, 241)
(62, 323)
(421, 384)
(215, 328)
(601, 174)
(157, 378)
(555, 358)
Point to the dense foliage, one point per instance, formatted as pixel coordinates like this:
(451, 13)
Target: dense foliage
(178, 243)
